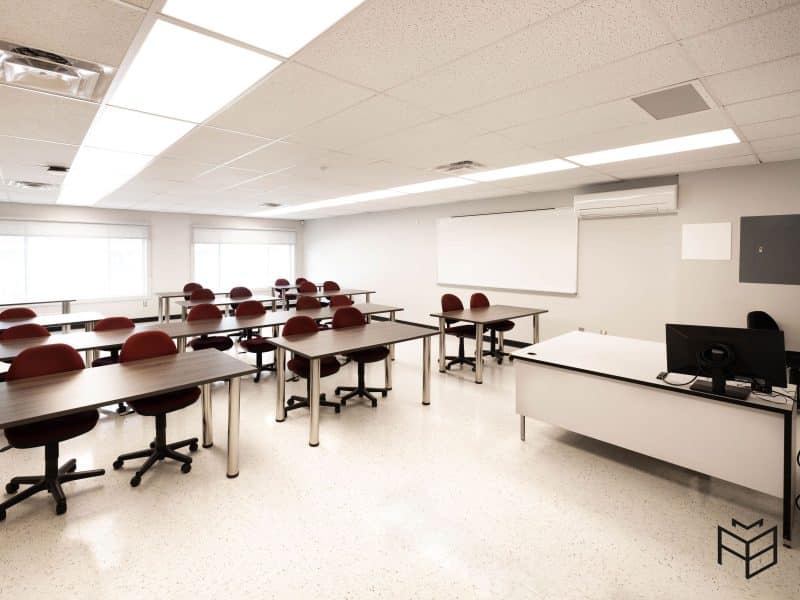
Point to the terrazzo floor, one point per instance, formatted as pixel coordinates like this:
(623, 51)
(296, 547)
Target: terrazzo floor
(402, 501)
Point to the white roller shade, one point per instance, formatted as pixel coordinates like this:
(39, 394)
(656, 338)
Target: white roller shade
(242, 236)
(77, 230)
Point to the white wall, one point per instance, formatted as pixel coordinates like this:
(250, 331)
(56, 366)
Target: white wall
(631, 279)
(170, 246)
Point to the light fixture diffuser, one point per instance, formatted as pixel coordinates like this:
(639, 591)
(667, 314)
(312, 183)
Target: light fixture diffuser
(126, 130)
(95, 173)
(709, 139)
(431, 186)
(534, 168)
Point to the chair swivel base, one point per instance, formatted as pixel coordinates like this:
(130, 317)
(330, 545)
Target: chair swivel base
(459, 360)
(302, 402)
(360, 392)
(159, 450)
(50, 482)
(261, 368)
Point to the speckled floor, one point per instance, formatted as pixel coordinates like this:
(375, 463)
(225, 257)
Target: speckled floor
(402, 501)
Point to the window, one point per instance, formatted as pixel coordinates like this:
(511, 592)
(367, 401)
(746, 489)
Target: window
(254, 258)
(49, 260)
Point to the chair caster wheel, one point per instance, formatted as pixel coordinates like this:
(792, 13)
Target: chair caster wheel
(121, 410)
(384, 393)
(117, 465)
(186, 467)
(290, 402)
(61, 508)
(152, 445)
(11, 488)
(193, 447)
(344, 402)
(73, 467)
(136, 480)
(374, 404)
(2, 515)
(337, 391)
(337, 410)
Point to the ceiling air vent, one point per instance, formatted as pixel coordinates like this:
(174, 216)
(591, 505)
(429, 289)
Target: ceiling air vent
(48, 72)
(56, 169)
(460, 166)
(31, 185)
(673, 102)
(270, 204)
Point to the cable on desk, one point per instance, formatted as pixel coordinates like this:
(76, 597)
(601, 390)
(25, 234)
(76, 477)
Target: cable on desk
(676, 384)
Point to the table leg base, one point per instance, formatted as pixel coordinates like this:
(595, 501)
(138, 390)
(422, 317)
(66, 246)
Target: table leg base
(229, 476)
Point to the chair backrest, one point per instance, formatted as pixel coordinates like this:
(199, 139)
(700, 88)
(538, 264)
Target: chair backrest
(307, 286)
(111, 323)
(451, 302)
(300, 324)
(17, 312)
(758, 319)
(28, 330)
(478, 300)
(147, 344)
(248, 308)
(189, 288)
(348, 317)
(44, 360)
(202, 294)
(341, 301)
(331, 286)
(204, 311)
(307, 303)
(240, 292)
(300, 280)
(281, 281)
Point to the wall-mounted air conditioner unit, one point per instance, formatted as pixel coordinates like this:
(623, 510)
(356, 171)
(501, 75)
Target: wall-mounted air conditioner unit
(660, 200)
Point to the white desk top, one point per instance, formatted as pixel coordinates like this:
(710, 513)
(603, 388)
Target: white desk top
(639, 361)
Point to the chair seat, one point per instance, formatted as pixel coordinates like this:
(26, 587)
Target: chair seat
(502, 326)
(461, 330)
(219, 342)
(165, 403)
(258, 344)
(302, 366)
(105, 361)
(369, 355)
(52, 430)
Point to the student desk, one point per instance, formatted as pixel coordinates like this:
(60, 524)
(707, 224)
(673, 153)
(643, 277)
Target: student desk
(38, 398)
(315, 346)
(482, 317)
(325, 293)
(65, 321)
(163, 303)
(606, 387)
(82, 341)
(65, 303)
(187, 305)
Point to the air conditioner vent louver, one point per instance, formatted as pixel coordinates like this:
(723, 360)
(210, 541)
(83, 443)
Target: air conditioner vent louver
(658, 200)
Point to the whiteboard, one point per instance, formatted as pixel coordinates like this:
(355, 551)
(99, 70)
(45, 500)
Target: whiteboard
(531, 250)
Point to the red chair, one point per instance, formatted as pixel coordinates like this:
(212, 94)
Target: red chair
(285, 293)
(19, 332)
(308, 287)
(300, 280)
(340, 301)
(452, 302)
(203, 312)
(202, 294)
(149, 344)
(239, 292)
(17, 312)
(310, 303)
(189, 288)
(352, 317)
(34, 362)
(112, 324)
(258, 345)
(302, 366)
(479, 300)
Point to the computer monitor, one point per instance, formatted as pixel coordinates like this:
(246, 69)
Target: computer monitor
(727, 353)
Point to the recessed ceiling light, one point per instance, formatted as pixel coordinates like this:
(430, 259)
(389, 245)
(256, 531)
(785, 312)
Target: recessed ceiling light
(187, 75)
(534, 168)
(279, 27)
(685, 143)
(431, 186)
(95, 173)
(131, 131)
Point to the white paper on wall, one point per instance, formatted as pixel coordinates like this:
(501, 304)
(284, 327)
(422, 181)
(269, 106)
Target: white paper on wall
(706, 241)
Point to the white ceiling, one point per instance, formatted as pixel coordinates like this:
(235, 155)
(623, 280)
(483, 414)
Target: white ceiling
(399, 87)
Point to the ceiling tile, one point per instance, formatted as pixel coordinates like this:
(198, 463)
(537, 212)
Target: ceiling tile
(210, 145)
(21, 151)
(277, 156)
(750, 42)
(766, 79)
(32, 196)
(644, 72)
(365, 46)
(582, 38)
(38, 116)
(29, 173)
(290, 98)
(376, 116)
(221, 178)
(690, 17)
(170, 169)
(89, 30)
(765, 109)
(786, 142)
(674, 163)
(557, 180)
(779, 127)
(780, 155)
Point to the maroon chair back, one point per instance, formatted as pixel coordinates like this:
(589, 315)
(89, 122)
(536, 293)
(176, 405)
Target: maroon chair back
(189, 288)
(28, 330)
(248, 308)
(331, 286)
(348, 317)
(240, 292)
(300, 280)
(204, 311)
(17, 312)
(341, 301)
(147, 344)
(307, 303)
(478, 300)
(307, 286)
(112, 323)
(44, 360)
(451, 302)
(202, 294)
(282, 281)
(300, 324)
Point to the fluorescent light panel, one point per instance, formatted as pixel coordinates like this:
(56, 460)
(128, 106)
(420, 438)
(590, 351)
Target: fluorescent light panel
(186, 75)
(95, 173)
(125, 130)
(710, 139)
(534, 168)
(282, 27)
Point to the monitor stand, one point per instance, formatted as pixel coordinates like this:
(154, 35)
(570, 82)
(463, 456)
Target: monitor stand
(711, 387)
